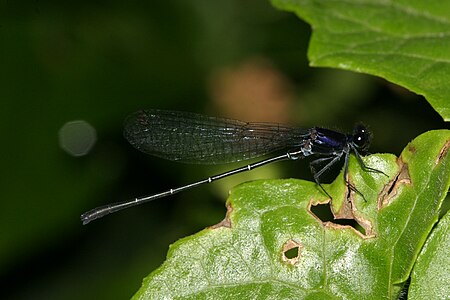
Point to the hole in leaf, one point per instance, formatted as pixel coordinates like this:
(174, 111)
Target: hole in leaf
(391, 185)
(291, 252)
(390, 190)
(324, 214)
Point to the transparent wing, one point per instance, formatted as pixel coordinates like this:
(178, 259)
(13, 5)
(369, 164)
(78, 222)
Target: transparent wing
(199, 139)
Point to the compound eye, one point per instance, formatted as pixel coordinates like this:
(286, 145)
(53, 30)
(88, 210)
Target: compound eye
(361, 137)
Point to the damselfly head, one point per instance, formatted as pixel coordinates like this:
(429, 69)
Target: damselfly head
(361, 138)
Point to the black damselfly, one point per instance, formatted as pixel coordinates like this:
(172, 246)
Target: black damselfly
(194, 138)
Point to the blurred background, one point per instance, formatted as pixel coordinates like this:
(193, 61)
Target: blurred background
(69, 75)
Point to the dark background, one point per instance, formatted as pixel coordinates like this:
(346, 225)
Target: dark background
(99, 61)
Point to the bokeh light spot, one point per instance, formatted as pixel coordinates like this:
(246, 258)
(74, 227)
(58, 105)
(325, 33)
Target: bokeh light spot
(77, 137)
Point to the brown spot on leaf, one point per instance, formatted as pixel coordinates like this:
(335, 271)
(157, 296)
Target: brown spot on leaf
(346, 211)
(412, 149)
(290, 253)
(226, 222)
(443, 152)
(390, 190)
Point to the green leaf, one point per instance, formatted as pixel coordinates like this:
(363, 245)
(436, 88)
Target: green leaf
(406, 42)
(271, 246)
(431, 275)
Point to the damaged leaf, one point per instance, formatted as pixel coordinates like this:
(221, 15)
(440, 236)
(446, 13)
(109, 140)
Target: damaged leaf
(272, 245)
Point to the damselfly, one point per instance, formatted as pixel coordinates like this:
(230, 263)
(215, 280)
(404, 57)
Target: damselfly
(194, 138)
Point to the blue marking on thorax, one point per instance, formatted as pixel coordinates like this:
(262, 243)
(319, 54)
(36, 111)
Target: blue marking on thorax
(330, 139)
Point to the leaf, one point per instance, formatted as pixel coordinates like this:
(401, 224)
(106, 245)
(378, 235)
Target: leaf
(271, 246)
(405, 42)
(431, 274)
